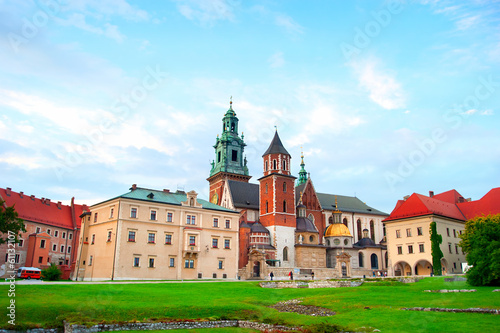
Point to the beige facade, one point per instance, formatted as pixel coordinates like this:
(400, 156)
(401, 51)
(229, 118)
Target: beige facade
(409, 245)
(148, 234)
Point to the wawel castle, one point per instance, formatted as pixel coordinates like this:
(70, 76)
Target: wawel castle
(277, 224)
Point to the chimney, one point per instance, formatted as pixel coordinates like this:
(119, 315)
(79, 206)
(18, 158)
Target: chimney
(166, 190)
(461, 199)
(21, 194)
(468, 199)
(134, 187)
(32, 197)
(406, 197)
(47, 201)
(431, 194)
(42, 200)
(59, 204)
(7, 191)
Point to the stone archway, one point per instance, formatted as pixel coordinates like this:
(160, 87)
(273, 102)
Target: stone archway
(256, 269)
(423, 267)
(402, 268)
(343, 264)
(444, 266)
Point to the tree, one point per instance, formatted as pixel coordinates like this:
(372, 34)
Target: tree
(10, 223)
(481, 243)
(52, 273)
(436, 252)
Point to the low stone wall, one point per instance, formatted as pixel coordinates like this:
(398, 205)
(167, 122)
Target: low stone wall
(451, 291)
(469, 310)
(455, 279)
(310, 284)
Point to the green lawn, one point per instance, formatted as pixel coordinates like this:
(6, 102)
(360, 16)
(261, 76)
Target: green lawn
(49, 305)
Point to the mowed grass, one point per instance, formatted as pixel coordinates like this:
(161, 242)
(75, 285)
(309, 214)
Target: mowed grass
(49, 305)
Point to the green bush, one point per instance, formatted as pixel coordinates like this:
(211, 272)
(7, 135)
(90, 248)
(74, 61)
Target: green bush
(324, 328)
(53, 273)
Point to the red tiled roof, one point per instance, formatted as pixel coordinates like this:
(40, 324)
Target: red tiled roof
(449, 204)
(42, 210)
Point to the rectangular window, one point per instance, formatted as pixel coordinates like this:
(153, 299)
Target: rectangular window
(410, 248)
(38, 230)
(42, 243)
(151, 262)
(109, 236)
(63, 236)
(21, 243)
(56, 233)
(192, 240)
(95, 217)
(90, 260)
(188, 219)
(454, 233)
(168, 239)
(151, 237)
(93, 239)
(153, 215)
(69, 249)
(133, 213)
(221, 264)
(111, 212)
(17, 258)
(216, 222)
(398, 233)
(170, 217)
(227, 243)
(54, 247)
(191, 219)
(234, 155)
(419, 231)
(400, 250)
(48, 231)
(228, 224)
(70, 236)
(460, 232)
(456, 248)
(172, 262)
(408, 232)
(421, 248)
(189, 263)
(449, 248)
(40, 260)
(455, 265)
(136, 261)
(131, 236)
(62, 248)
(448, 232)
(215, 243)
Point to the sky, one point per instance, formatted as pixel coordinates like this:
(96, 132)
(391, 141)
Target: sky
(384, 98)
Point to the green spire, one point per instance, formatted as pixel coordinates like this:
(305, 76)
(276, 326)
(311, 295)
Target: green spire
(302, 173)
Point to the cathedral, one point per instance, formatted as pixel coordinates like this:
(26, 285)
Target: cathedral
(285, 226)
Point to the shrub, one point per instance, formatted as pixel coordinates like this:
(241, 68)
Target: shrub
(53, 273)
(324, 328)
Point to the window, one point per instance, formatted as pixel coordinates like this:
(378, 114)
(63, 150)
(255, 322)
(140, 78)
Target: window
(360, 259)
(228, 224)
(398, 233)
(449, 247)
(18, 257)
(218, 157)
(274, 164)
(221, 264)
(374, 261)
(266, 170)
(267, 207)
(151, 237)
(284, 186)
(400, 250)
(131, 236)
(90, 260)
(70, 236)
(95, 217)
(456, 248)
(284, 166)
(42, 243)
(40, 260)
(62, 248)
(170, 217)
(266, 188)
(38, 230)
(56, 233)
(189, 263)
(284, 206)
(454, 233)
(21, 242)
(168, 239)
(93, 239)
(111, 212)
(421, 248)
(408, 232)
(191, 219)
(455, 265)
(153, 215)
(215, 243)
(227, 243)
(419, 231)
(48, 231)
(234, 155)
(216, 222)
(54, 247)
(151, 262)
(133, 213)
(69, 249)
(410, 248)
(63, 236)
(358, 226)
(460, 232)
(109, 236)
(136, 261)
(171, 262)
(372, 230)
(285, 253)
(192, 240)
(448, 232)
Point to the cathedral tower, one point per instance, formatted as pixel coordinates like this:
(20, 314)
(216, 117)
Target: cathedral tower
(229, 161)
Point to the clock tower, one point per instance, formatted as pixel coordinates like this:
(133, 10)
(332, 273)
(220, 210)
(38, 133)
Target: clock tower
(229, 163)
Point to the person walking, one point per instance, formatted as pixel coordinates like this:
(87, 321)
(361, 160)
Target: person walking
(290, 275)
(312, 275)
(271, 275)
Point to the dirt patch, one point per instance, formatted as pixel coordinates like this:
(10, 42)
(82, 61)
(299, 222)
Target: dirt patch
(308, 310)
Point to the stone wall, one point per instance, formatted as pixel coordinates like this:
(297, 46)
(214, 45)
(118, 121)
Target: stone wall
(311, 284)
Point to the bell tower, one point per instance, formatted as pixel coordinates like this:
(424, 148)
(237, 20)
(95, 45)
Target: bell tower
(229, 162)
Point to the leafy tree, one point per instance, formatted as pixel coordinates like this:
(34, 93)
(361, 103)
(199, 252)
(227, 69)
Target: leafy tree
(436, 252)
(481, 242)
(52, 273)
(9, 221)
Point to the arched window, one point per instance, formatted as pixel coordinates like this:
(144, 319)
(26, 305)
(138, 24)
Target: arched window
(284, 164)
(311, 217)
(374, 260)
(360, 259)
(386, 259)
(358, 224)
(284, 187)
(284, 206)
(274, 164)
(191, 202)
(330, 219)
(285, 253)
(311, 239)
(267, 166)
(372, 230)
(266, 188)
(267, 207)
(345, 221)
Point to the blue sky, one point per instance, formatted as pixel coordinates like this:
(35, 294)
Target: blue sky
(386, 98)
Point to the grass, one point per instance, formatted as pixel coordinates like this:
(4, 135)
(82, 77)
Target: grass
(48, 305)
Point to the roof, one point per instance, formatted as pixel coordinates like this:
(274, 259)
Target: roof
(276, 147)
(305, 225)
(45, 211)
(337, 230)
(448, 204)
(366, 242)
(347, 204)
(164, 197)
(258, 227)
(244, 195)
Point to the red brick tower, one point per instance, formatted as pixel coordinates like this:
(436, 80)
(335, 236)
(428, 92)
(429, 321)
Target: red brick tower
(277, 197)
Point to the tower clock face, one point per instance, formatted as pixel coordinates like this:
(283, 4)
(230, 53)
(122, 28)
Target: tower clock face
(215, 199)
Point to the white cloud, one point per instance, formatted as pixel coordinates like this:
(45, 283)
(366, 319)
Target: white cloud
(470, 112)
(206, 12)
(289, 24)
(101, 9)
(467, 22)
(487, 112)
(24, 162)
(108, 30)
(276, 60)
(383, 88)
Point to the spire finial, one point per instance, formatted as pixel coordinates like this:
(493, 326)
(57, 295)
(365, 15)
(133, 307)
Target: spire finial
(276, 128)
(231, 103)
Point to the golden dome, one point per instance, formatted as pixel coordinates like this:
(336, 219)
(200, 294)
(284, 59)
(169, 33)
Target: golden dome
(337, 230)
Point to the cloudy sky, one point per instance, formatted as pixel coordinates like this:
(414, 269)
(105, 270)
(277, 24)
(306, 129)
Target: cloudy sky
(386, 98)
